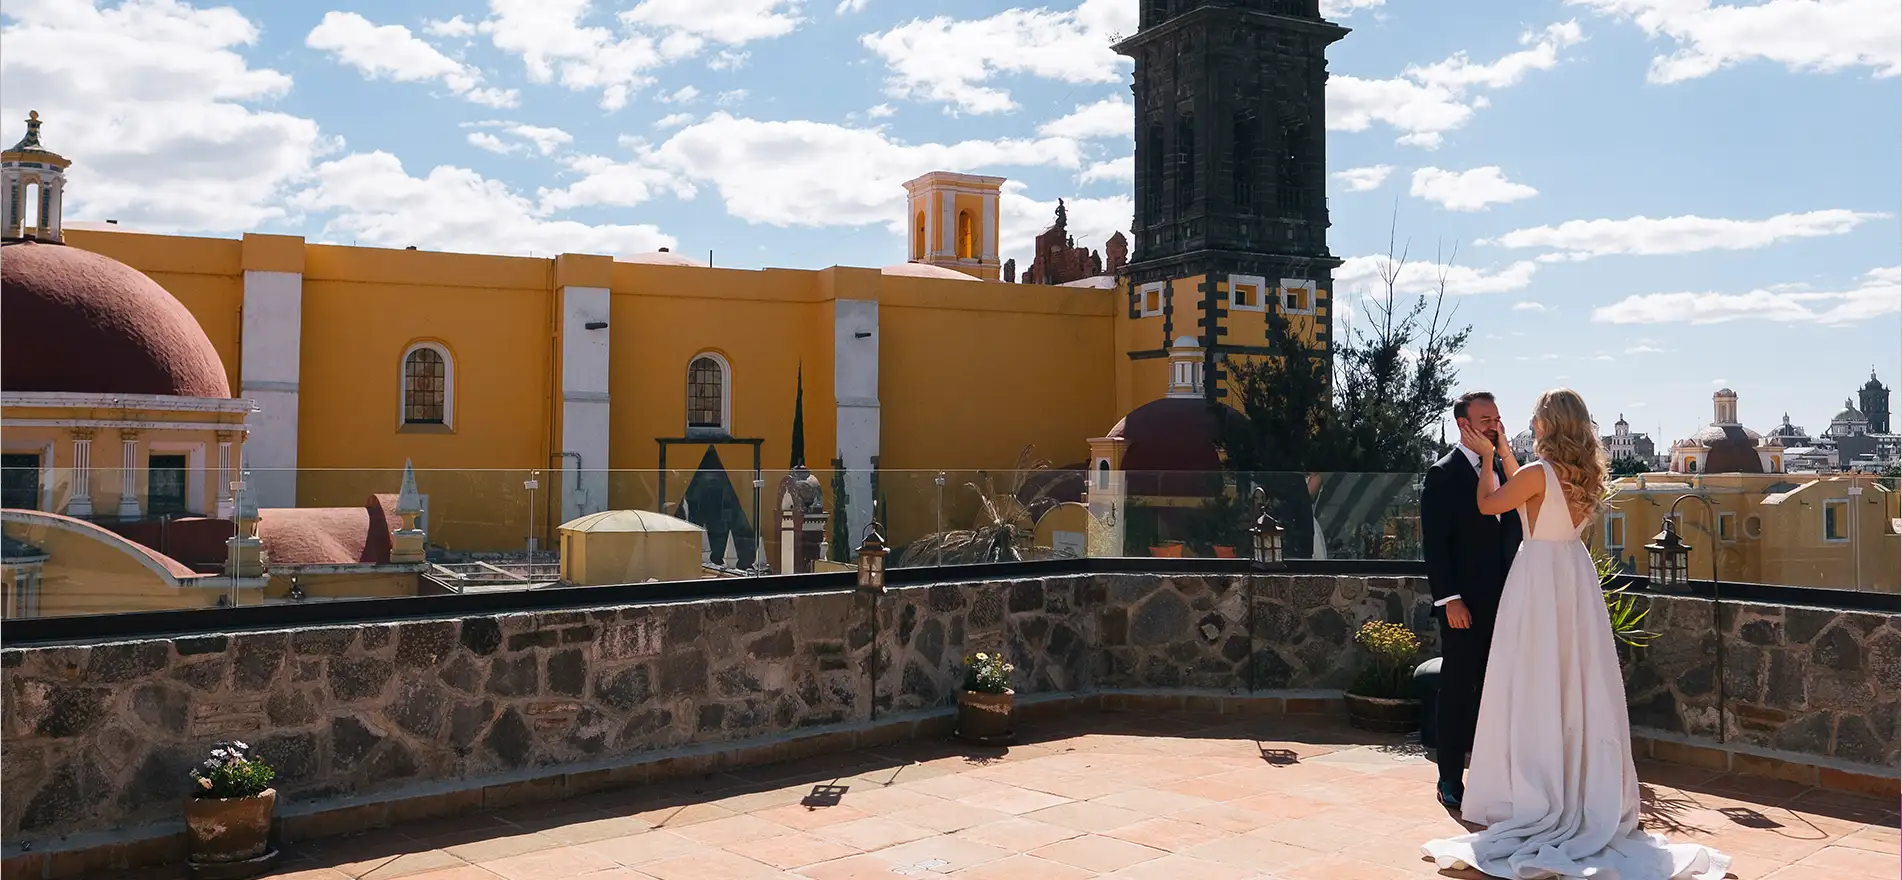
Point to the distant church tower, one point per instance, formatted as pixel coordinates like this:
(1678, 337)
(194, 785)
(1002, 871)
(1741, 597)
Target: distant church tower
(32, 176)
(1231, 168)
(1875, 404)
(953, 221)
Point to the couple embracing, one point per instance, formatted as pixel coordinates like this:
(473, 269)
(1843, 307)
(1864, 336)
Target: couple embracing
(1529, 681)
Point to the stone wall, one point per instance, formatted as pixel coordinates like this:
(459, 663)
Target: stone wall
(100, 736)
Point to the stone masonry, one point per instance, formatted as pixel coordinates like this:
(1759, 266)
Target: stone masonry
(100, 736)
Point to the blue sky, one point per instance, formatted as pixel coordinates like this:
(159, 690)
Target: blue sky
(1650, 198)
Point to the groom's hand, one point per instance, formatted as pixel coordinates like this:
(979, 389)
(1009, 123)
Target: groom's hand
(1457, 616)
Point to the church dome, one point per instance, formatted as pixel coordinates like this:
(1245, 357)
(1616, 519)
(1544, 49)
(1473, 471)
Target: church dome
(925, 270)
(1172, 446)
(1850, 414)
(77, 322)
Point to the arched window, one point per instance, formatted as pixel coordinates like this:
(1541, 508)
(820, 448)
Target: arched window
(918, 238)
(967, 236)
(708, 404)
(1102, 473)
(428, 385)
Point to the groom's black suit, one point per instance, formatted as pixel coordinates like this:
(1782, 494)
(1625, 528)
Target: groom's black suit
(1467, 555)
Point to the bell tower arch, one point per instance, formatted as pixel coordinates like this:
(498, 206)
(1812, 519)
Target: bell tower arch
(954, 222)
(32, 184)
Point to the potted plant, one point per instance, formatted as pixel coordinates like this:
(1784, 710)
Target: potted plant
(985, 706)
(1381, 697)
(228, 817)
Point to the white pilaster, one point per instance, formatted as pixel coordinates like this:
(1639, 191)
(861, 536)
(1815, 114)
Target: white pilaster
(80, 503)
(273, 335)
(948, 225)
(987, 243)
(855, 386)
(129, 475)
(585, 359)
(225, 506)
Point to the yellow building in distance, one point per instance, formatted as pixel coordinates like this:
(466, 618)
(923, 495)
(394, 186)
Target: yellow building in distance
(529, 392)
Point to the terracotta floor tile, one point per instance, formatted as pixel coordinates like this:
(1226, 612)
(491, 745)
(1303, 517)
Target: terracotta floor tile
(885, 801)
(1018, 834)
(681, 815)
(1022, 868)
(1253, 853)
(466, 872)
(714, 865)
(490, 849)
(940, 855)
(948, 816)
(956, 787)
(802, 817)
(1313, 834)
(409, 864)
(635, 850)
(297, 874)
(1209, 788)
(862, 867)
(731, 830)
(1797, 872)
(1168, 835)
(551, 864)
(795, 850)
(595, 829)
(1092, 816)
(1015, 801)
(873, 833)
(1154, 802)
(1078, 786)
(1228, 817)
(1874, 838)
(1851, 862)
(1176, 867)
(1093, 852)
(1340, 867)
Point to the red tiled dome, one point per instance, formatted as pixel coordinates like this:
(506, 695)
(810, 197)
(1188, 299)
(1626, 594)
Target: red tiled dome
(78, 322)
(1172, 446)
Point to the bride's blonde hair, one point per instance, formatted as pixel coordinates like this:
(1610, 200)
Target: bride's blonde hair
(1568, 443)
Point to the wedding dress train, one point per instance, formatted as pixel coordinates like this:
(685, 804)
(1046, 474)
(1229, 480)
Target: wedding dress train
(1551, 774)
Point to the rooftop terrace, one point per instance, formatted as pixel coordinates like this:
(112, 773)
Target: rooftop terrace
(1132, 796)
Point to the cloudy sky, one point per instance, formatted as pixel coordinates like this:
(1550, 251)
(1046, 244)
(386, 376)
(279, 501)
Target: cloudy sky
(1649, 198)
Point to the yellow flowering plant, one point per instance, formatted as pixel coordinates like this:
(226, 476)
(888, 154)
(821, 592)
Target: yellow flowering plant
(987, 673)
(1391, 649)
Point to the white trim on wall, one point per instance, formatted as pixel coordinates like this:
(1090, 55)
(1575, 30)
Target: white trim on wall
(1160, 289)
(1303, 284)
(725, 427)
(149, 402)
(448, 384)
(1254, 283)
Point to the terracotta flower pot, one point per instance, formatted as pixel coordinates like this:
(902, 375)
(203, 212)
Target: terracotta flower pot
(226, 830)
(985, 718)
(1382, 714)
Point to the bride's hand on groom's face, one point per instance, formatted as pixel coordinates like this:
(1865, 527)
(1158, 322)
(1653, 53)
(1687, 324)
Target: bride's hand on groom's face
(1475, 440)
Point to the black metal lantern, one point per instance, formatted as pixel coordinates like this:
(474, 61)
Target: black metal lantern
(1670, 558)
(1265, 534)
(296, 592)
(872, 559)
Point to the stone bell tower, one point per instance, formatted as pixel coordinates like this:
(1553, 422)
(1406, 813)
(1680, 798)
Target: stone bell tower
(952, 222)
(32, 182)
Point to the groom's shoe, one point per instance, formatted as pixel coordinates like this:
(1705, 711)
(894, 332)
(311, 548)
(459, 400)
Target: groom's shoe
(1450, 794)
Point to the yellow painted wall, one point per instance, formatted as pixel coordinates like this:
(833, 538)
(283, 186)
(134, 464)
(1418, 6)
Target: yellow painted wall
(84, 576)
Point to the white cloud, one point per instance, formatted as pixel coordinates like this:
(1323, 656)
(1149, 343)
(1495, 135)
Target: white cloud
(1530, 306)
(682, 95)
(1470, 190)
(846, 6)
(1877, 293)
(880, 111)
(139, 95)
(1423, 103)
(1802, 35)
(1119, 170)
(729, 59)
(1335, 9)
(730, 97)
(1422, 276)
(376, 202)
(1644, 348)
(543, 139)
(1111, 117)
(787, 173)
(733, 22)
(673, 120)
(1365, 178)
(1687, 234)
(391, 52)
(451, 28)
(953, 61)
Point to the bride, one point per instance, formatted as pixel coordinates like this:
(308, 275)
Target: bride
(1552, 777)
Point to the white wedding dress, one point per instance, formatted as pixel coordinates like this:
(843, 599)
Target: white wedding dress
(1552, 777)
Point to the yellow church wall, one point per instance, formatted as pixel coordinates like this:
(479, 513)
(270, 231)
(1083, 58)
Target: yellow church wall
(206, 274)
(362, 309)
(82, 575)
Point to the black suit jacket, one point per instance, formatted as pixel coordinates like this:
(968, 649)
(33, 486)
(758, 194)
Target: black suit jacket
(1467, 553)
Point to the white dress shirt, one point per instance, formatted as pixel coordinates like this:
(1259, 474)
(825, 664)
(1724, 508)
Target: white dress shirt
(1472, 458)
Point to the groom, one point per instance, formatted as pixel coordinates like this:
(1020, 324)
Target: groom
(1467, 556)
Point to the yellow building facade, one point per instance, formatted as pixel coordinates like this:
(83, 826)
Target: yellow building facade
(1837, 531)
(529, 391)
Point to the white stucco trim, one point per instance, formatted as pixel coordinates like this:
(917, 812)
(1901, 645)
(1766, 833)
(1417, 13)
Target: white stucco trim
(987, 235)
(131, 424)
(45, 452)
(586, 415)
(448, 383)
(1160, 289)
(271, 367)
(194, 470)
(1255, 283)
(146, 402)
(725, 427)
(1302, 284)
